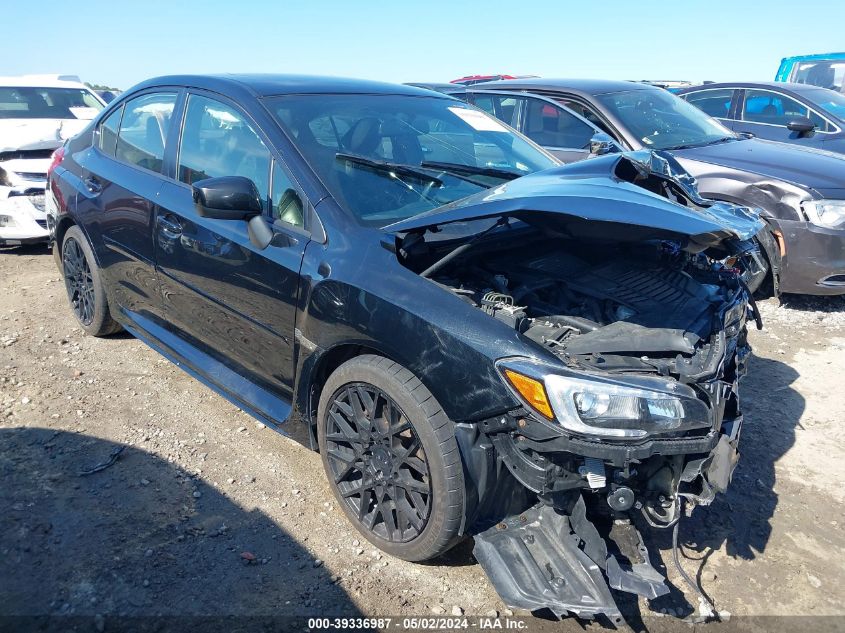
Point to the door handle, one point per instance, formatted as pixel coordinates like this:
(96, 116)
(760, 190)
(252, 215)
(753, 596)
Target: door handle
(93, 185)
(170, 225)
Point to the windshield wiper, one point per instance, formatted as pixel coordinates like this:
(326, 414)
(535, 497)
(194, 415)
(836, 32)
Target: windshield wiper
(723, 139)
(388, 168)
(472, 170)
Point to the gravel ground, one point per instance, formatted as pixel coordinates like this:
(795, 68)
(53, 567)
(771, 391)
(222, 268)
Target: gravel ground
(206, 512)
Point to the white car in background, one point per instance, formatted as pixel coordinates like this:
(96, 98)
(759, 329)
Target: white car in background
(37, 114)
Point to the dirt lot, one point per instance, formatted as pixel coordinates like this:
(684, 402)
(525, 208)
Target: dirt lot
(200, 486)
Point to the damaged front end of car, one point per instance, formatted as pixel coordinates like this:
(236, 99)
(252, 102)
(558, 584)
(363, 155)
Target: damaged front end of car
(27, 151)
(614, 273)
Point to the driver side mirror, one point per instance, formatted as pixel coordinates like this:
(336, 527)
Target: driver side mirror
(227, 198)
(601, 144)
(802, 125)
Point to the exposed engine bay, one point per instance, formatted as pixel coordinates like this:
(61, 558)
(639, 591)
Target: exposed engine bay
(650, 308)
(646, 309)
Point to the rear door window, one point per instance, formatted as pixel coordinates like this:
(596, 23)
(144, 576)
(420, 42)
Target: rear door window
(218, 141)
(503, 107)
(144, 128)
(716, 102)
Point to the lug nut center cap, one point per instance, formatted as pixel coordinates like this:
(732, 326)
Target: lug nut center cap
(382, 461)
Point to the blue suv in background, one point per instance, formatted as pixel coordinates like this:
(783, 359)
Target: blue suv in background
(826, 70)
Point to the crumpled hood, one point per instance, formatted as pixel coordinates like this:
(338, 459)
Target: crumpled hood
(588, 192)
(30, 134)
(802, 166)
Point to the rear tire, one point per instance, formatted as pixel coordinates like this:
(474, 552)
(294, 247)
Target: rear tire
(390, 454)
(84, 285)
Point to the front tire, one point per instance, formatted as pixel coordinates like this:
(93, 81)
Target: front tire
(391, 458)
(84, 285)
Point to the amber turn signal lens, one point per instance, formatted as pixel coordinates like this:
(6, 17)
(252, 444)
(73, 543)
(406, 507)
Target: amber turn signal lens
(532, 390)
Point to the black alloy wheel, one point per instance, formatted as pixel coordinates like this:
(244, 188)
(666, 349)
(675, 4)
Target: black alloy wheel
(79, 281)
(378, 463)
(84, 284)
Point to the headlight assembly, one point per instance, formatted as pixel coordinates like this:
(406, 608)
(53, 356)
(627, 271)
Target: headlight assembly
(828, 213)
(616, 411)
(606, 410)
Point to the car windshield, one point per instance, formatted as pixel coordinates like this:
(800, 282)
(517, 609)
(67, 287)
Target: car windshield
(389, 157)
(660, 120)
(47, 103)
(829, 101)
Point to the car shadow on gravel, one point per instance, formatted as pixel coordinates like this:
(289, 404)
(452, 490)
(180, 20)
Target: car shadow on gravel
(740, 519)
(812, 303)
(141, 541)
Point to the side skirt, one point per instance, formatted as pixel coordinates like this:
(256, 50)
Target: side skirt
(259, 403)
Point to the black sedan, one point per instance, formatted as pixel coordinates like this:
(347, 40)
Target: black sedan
(800, 191)
(472, 336)
(791, 113)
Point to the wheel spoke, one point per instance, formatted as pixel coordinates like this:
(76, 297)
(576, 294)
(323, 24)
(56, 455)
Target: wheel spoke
(359, 415)
(340, 438)
(366, 485)
(410, 513)
(402, 521)
(399, 427)
(365, 505)
(344, 426)
(417, 464)
(389, 520)
(345, 408)
(403, 454)
(417, 502)
(349, 466)
(367, 401)
(413, 485)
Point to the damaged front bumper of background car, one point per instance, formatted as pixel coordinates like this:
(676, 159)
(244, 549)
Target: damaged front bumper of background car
(26, 150)
(23, 178)
(636, 411)
(22, 217)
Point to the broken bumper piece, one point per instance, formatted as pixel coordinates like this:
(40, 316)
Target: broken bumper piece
(543, 559)
(534, 562)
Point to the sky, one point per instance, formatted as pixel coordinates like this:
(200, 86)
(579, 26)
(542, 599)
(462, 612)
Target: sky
(120, 43)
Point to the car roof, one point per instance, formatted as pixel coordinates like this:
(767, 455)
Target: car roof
(42, 81)
(265, 85)
(776, 85)
(583, 86)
